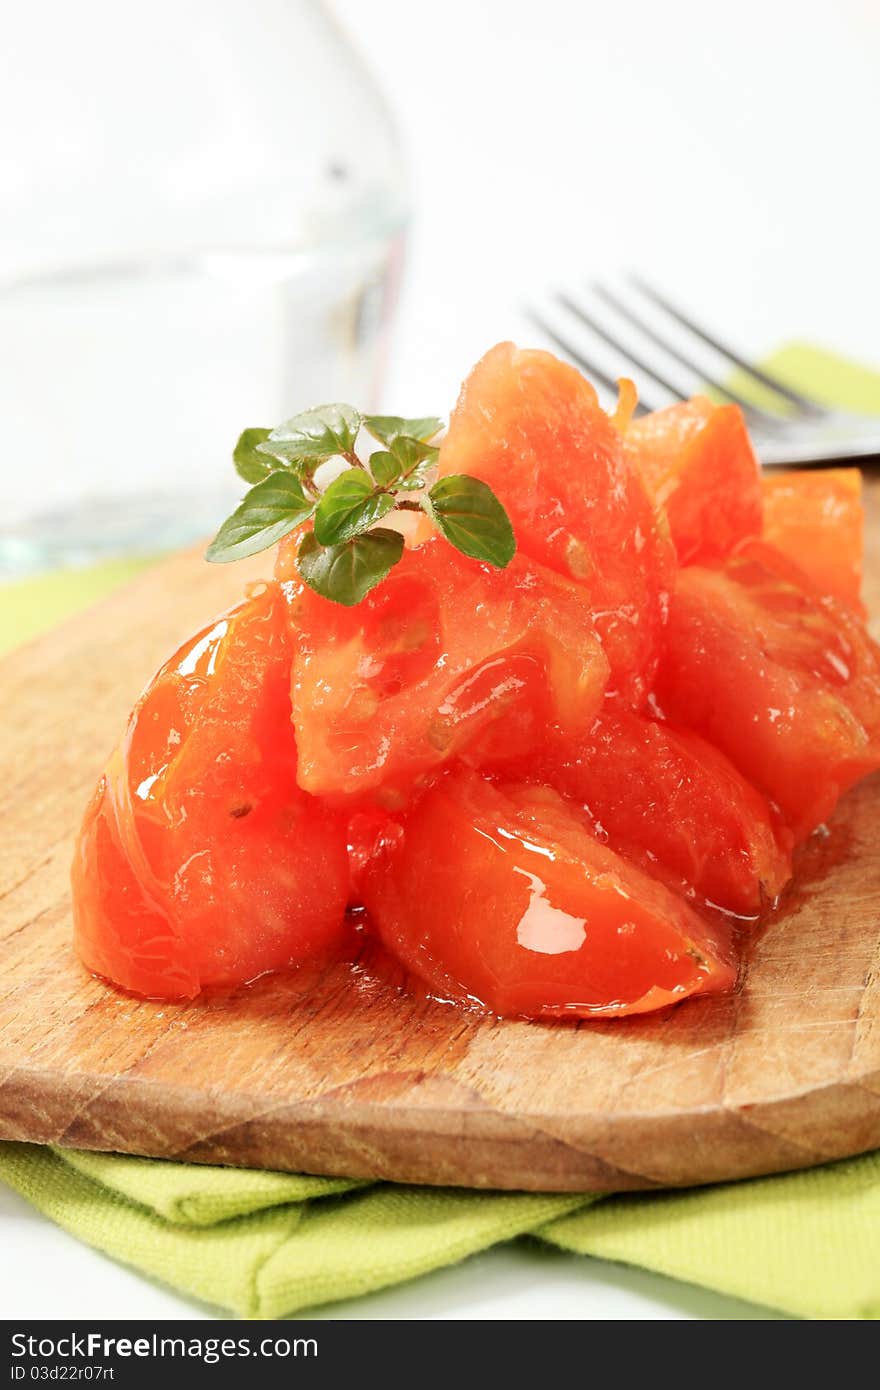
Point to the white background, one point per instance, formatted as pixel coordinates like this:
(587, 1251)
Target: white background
(730, 151)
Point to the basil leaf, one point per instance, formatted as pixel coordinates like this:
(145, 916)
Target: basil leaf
(384, 467)
(471, 518)
(416, 460)
(346, 573)
(249, 464)
(387, 428)
(320, 433)
(269, 511)
(349, 506)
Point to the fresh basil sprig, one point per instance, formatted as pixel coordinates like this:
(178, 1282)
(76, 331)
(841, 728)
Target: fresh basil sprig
(346, 573)
(250, 463)
(351, 505)
(272, 508)
(471, 518)
(308, 439)
(347, 553)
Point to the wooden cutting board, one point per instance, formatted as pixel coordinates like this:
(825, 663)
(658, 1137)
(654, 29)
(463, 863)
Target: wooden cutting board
(344, 1070)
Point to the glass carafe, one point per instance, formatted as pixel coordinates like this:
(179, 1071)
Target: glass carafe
(201, 218)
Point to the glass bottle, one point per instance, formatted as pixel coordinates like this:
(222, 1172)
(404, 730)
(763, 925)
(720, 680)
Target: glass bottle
(202, 208)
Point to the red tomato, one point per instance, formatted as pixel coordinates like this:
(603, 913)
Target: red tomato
(531, 427)
(366, 830)
(815, 518)
(503, 896)
(786, 684)
(200, 862)
(441, 654)
(699, 466)
(674, 804)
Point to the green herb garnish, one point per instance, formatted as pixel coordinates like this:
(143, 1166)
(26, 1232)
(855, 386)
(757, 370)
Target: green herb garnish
(347, 553)
(250, 464)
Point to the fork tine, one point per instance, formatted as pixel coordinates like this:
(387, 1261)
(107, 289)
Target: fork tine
(575, 355)
(580, 313)
(750, 410)
(757, 373)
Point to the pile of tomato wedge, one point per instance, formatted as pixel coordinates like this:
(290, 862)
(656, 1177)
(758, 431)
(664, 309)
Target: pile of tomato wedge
(558, 789)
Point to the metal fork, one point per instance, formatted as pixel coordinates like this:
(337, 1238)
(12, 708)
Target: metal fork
(787, 427)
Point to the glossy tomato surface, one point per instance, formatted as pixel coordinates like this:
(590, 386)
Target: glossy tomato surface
(525, 911)
(200, 861)
(674, 804)
(815, 518)
(532, 428)
(699, 466)
(785, 683)
(443, 657)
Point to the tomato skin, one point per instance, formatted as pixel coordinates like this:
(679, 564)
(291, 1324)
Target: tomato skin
(699, 466)
(200, 862)
(674, 804)
(120, 931)
(815, 518)
(786, 684)
(436, 658)
(532, 428)
(527, 913)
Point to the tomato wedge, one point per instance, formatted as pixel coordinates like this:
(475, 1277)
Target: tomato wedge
(200, 861)
(531, 427)
(674, 804)
(785, 683)
(815, 518)
(442, 657)
(699, 466)
(525, 911)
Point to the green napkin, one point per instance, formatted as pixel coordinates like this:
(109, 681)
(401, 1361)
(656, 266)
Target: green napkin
(805, 1243)
(31, 606)
(265, 1245)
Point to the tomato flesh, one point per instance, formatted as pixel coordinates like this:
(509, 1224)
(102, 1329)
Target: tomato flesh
(531, 427)
(815, 518)
(431, 663)
(552, 786)
(699, 466)
(525, 911)
(200, 861)
(674, 804)
(786, 684)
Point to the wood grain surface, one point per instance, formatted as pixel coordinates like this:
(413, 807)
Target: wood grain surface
(346, 1070)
